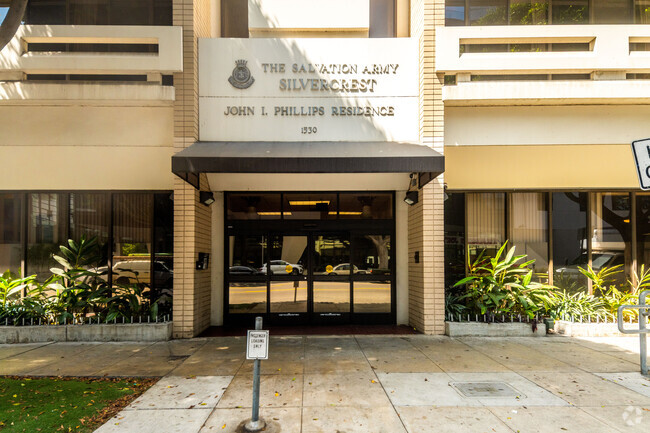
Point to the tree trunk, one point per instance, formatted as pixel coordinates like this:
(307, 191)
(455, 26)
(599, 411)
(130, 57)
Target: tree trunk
(12, 21)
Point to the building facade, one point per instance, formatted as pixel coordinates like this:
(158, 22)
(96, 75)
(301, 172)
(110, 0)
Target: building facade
(323, 162)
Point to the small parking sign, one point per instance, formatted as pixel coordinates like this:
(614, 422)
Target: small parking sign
(641, 150)
(257, 345)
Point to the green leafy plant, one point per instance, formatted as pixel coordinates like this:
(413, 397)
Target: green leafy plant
(77, 286)
(11, 287)
(503, 285)
(454, 304)
(573, 305)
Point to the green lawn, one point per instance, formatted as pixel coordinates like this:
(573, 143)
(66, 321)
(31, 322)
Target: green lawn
(63, 404)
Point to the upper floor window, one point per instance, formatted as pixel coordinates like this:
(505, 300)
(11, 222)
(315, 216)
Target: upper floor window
(100, 12)
(234, 19)
(527, 12)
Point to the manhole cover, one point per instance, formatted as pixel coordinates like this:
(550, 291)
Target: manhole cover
(485, 389)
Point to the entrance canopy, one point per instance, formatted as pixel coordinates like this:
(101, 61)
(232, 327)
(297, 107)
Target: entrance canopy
(306, 157)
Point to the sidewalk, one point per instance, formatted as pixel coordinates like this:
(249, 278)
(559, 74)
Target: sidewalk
(391, 384)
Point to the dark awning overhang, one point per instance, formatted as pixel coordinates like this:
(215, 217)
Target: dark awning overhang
(306, 157)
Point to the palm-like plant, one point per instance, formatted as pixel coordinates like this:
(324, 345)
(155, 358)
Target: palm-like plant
(499, 285)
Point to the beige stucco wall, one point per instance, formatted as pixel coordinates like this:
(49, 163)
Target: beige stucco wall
(85, 147)
(543, 147)
(609, 166)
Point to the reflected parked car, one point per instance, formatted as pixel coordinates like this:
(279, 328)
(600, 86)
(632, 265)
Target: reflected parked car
(344, 269)
(279, 267)
(243, 270)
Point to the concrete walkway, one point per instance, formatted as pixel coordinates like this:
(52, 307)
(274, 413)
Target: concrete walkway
(391, 384)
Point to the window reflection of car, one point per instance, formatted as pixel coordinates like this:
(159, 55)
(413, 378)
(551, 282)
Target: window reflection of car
(344, 269)
(139, 272)
(599, 260)
(243, 270)
(279, 267)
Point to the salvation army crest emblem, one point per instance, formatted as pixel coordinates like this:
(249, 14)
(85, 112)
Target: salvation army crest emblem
(241, 77)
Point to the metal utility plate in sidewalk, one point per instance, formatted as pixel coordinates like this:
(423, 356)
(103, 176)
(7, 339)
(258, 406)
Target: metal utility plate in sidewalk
(485, 389)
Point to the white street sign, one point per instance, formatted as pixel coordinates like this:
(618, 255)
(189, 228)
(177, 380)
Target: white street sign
(641, 150)
(257, 345)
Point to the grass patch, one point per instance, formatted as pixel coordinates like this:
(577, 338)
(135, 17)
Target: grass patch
(58, 404)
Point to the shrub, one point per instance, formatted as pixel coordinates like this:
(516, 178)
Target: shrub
(497, 285)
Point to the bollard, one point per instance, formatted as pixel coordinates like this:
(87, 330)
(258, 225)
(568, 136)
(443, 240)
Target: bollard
(256, 424)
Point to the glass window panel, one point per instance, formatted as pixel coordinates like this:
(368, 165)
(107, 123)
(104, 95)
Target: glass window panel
(331, 296)
(132, 242)
(164, 248)
(570, 12)
(365, 206)
(47, 230)
(89, 217)
(454, 238)
(488, 12)
(372, 296)
(454, 13)
(11, 237)
(289, 296)
(331, 250)
(528, 220)
(46, 12)
(371, 255)
(246, 255)
(162, 12)
(569, 240)
(612, 11)
(316, 206)
(526, 12)
(642, 11)
(611, 240)
(485, 223)
(88, 12)
(247, 297)
(234, 18)
(129, 12)
(288, 255)
(643, 230)
(382, 19)
(254, 206)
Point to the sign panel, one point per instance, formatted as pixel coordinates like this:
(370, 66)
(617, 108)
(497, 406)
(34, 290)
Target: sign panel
(641, 150)
(308, 89)
(257, 345)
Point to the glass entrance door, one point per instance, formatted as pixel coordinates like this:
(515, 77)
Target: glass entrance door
(311, 278)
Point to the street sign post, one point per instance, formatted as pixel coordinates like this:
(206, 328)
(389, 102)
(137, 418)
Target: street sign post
(641, 150)
(257, 348)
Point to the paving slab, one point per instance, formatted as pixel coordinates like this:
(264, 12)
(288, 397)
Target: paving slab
(452, 355)
(395, 355)
(275, 391)
(8, 350)
(451, 420)
(585, 389)
(528, 393)
(202, 392)
(91, 361)
(229, 420)
(156, 421)
(344, 389)
(632, 381)
(422, 389)
(516, 356)
(48, 355)
(380, 419)
(582, 357)
(550, 420)
(632, 419)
